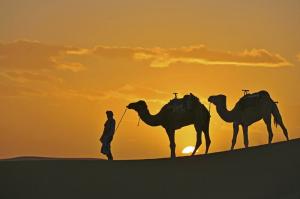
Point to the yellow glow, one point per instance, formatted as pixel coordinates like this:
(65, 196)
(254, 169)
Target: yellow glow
(60, 74)
(188, 150)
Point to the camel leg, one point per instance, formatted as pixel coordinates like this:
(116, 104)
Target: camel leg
(207, 140)
(267, 121)
(235, 133)
(245, 131)
(199, 138)
(171, 134)
(285, 132)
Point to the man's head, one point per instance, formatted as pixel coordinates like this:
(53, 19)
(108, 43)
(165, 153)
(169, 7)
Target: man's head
(109, 114)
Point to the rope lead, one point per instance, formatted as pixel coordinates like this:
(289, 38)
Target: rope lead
(121, 120)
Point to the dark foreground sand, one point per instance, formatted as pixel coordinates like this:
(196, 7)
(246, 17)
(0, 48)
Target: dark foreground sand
(266, 172)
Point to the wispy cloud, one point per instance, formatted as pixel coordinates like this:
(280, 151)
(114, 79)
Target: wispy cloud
(69, 66)
(164, 57)
(33, 55)
(22, 77)
(204, 56)
(24, 63)
(77, 51)
(21, 86)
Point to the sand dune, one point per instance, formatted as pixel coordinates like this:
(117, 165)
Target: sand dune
(269, 171)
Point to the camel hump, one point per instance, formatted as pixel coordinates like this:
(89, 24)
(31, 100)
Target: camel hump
(191, 97)
(259, 94)
(264, 93)
(182, 104)
(252, 99)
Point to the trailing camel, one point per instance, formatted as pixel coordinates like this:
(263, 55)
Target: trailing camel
(248, 110)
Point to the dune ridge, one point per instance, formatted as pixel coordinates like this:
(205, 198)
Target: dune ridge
(267, 171)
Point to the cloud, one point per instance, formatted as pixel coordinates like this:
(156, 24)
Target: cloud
(22, 89)
(33, 55)
(204, 56)
(71, 66)
(22, 77)
(77, 51)
(29, 63)
(153, 96)
(164, 57)
(24, 55)
(117, 52)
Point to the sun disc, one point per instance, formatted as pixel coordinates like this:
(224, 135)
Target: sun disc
(188, 149)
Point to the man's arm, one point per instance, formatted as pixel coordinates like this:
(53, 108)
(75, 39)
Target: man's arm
(102, 138)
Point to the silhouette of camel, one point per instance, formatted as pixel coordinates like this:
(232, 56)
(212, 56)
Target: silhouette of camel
(248, 110)
(175, 115)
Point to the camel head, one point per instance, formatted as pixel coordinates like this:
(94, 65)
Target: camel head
(217, 99)
(137, 106)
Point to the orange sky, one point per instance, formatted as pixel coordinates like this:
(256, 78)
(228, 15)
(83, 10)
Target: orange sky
(64, 63)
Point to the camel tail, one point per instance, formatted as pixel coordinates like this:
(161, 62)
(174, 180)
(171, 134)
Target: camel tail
(276, 114)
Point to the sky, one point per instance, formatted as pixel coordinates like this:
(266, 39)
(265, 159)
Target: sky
(64, 63)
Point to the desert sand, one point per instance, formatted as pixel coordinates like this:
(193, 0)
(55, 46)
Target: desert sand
(266, 172)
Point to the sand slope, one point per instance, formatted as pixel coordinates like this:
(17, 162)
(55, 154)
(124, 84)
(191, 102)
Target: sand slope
(269, 171)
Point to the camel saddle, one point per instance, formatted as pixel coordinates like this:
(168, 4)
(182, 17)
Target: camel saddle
(250, 100)
(182, 104)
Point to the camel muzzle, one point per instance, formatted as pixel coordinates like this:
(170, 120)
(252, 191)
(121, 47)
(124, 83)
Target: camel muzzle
(129, 106)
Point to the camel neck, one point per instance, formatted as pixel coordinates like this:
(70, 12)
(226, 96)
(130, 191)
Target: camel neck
(225, 114)
(152, 120)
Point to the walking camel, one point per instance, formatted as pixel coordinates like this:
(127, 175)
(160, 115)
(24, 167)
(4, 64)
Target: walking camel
(175, 115)
(248, 110)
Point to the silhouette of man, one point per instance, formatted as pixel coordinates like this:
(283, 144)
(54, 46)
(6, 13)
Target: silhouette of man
(108, 134)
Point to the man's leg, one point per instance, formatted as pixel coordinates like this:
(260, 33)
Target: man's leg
(109, 156)
(108, 152)
(102, 150)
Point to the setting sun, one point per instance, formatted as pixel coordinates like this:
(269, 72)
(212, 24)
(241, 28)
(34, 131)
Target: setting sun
(188, 150)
